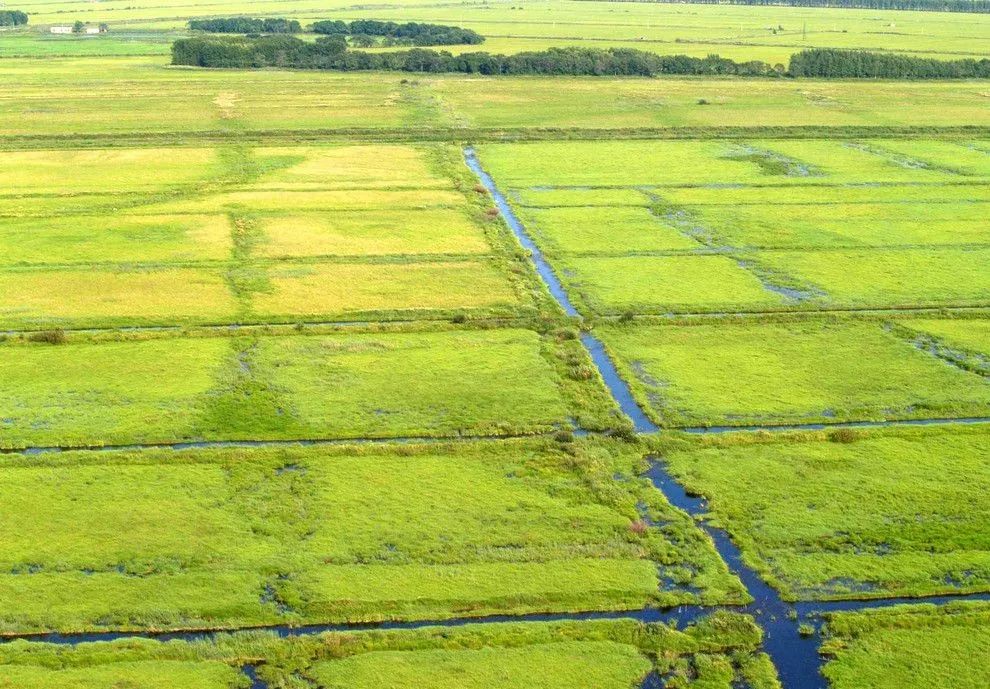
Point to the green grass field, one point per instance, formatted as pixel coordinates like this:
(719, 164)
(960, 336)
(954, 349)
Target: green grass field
(302, 535)
(717, 651)
(493, 382)
(781, 373)
(881, 513)
(271, 355)
(886, 649)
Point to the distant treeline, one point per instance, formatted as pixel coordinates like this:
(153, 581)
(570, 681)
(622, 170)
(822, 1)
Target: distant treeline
(978, 6)
(828, 63)
(331, 53)
(13, 18)
(246, 25)
(411, 32)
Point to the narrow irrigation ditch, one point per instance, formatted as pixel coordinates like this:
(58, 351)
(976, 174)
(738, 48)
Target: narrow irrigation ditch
(795, 655)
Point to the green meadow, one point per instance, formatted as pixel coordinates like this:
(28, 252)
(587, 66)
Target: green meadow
(444, 383)
(299, 534)
(718, 651)
(891, 648)
(879, 513)
(777, 373)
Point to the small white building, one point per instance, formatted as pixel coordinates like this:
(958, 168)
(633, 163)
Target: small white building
(61, 29)
(92, 30)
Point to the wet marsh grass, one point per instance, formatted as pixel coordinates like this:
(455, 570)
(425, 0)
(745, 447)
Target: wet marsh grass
(313, 535)
(864, 514)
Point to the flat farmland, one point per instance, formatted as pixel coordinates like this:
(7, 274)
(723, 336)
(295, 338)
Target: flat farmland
(806, 371)
(716, 226)
(299, 535)
(807, 510)
(455, 382)
(237, 234)
(59, 99)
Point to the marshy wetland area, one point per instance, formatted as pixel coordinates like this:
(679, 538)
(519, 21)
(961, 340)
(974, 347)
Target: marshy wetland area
(502, 344)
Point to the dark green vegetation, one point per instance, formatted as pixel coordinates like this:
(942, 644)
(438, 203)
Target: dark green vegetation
(292, 534)
(409, 33)
(718, 652)
(895, 648)
(13, 18)
(829, 63)
(246, 25)
(851, 513)
(333, 54)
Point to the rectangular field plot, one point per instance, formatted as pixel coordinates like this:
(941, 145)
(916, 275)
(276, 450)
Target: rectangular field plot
(373, 233)
(781, 373)
(73, 172)
(81, 297)
(793, 224)
(658, 284)
(331, 290)
(853, 514)
(383, 385)
(714, 651)
(905, 646)
(606, 229)
(879, 223)
(881, 277)
(694, 163)
(317, 534)
(147, 674)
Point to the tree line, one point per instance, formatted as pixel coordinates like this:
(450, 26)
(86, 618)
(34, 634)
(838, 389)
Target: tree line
(13, 18)
(246, 25)
(332, 53)
(364, 32)
(412, 33)
(976, 6)
(831, 63)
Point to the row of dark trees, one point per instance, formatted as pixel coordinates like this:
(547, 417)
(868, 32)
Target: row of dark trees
(13, 18)
(366, 31)
(246, 25)
(331, 53)
(978, 6)
(830, 63)
(412, 33)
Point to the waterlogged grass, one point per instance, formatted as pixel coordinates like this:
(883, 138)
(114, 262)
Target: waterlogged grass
(779, 373)
(923, 644)
(320, 386)
(877, 223)
(300, 534)
(894, 277)
(870, 514)
(971, 337)
(718, 651)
